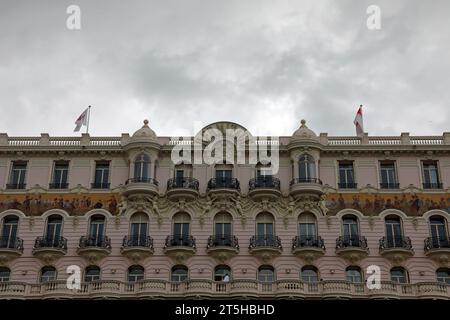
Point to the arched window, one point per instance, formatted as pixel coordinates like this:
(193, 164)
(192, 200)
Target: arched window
(48, 274)
(350, 230)
(181, 229)
(353, 274)
(310, 274)
(265, 234)
(138, 229)
(92, 273)
(399, 275)
(97, 230)
(54, 230)
(266, 274)
(179, 273)
(394, 234)
(9, 232)
(135, 273)
(222, 273)
(307, 228)
(5, 274)
(223, 229)
(443, 275)
(142, 168)
(306, 168)
(439, 235)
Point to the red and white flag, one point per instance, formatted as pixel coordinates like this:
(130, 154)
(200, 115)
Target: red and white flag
(82, 120)
(359, 122)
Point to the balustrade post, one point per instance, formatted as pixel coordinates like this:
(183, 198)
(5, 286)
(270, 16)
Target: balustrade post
(3, 139)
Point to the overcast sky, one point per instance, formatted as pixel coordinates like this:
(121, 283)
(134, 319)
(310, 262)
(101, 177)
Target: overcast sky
(263, 64)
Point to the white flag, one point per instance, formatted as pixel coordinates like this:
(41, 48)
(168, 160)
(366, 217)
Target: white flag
(359, 122)
(82, 120)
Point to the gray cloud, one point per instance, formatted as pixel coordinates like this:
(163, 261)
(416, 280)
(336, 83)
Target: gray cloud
(263, 64)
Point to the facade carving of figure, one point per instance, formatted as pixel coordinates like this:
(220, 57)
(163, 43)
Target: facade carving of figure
(123, 206)
(323, 204)
(208, 206)
(238, 205)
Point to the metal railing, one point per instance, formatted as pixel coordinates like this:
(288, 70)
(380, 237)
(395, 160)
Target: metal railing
(389, 185)
(436, 243)
(266, 182)
(432, 185)
(180, 241)
(226, 183)
(308, 242)
(100, 185)
(16, 186)
(95, 242)
(343, 242)
(347, 185)
(182, 183)
(50, 242)
(11, 243)
(142, 180)
(261, 241)
(395, 242)
(223, 240)
(137, 241)
(58, 185)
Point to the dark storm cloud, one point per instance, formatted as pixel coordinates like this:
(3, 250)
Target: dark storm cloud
(264, 64)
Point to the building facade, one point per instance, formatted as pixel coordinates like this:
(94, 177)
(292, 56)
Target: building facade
(131, 222)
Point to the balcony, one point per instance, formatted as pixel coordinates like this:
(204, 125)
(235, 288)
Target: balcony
(16, 186)
(49, 249)
(390, 185)
(223, 186)
(265, 247)
(137, 248)
(264, 188)
(182, 188)
(432, 185)
(180, 247)
(347, 185)
(308, 248)
(222, 246)
(100, 185)
(94, 249)
(141, 186)
(10, 249)
(396, 249)
(352, 249)
(301, 186)
(438, 249)
(58, 185)
(237, 288)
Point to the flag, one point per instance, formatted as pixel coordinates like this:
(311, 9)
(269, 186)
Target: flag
(359, 122)
(82, 120)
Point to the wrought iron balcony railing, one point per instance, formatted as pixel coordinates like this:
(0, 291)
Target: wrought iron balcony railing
(305, 180)
(50, 242)
(58, 185)
(16, 186)
(95, 242)
(432, 185)
(142, 180)
(347, 185)
(351, 242)
(223, 240)
(182, 183)
(308, 242)
(13, 243)
(261, 241)
(137, 241)
(400, 242)
(100, 185)
(436, 243)
(389, 185)
(226, 183)
(180, 241)
(266, 182)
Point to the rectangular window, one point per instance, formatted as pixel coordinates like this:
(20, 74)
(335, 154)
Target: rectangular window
(18, 173)
(101, 179)
(223, 175)
(388, 175)
(60, 175)
(346, 175)
(431, 175)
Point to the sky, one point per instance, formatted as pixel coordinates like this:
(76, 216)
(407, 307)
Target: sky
(183, 64)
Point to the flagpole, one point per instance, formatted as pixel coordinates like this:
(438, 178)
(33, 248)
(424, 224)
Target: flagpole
(89, 119)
